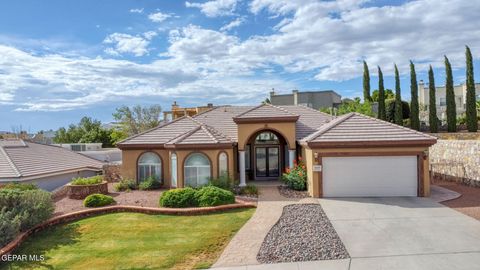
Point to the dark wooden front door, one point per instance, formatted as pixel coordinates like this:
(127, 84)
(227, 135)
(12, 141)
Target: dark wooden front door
(267, 162)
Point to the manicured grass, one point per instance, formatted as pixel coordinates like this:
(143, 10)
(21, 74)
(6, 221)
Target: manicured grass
(134, 241)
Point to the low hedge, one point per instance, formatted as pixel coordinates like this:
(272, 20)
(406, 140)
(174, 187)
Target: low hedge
(149, 184)
(189, 197)
(81, 181)
(179, 198)
(125, 184)
(97, 200)
(20, 186)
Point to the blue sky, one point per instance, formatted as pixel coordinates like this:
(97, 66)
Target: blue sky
(62, 60)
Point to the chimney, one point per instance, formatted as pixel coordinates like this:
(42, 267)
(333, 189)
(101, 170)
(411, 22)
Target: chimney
(422, 96)
(272, 93)
(295, 97)
(174, 105)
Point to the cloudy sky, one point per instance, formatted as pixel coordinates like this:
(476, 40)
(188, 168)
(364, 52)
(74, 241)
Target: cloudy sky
(61, 60)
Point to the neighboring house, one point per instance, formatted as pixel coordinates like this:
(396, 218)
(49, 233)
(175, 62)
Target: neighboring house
(312, 99)
(81, 147)
(352, 155)
(441, 98)
(47, 166)
(177, 111)
(44, 137)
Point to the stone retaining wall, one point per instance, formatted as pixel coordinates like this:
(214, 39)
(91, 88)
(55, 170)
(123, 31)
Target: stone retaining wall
(457, 161)
(116, 209)
(79, 192)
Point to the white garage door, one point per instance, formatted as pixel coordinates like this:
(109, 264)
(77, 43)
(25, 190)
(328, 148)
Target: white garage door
(371, 176)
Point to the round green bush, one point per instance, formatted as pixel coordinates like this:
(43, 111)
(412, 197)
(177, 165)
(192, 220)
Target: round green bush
(179, 198)
(97, 200)
(150, 184)
(212, 196)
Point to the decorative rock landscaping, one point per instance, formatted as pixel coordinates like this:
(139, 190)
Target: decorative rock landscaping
(291, 193)
(303, 233)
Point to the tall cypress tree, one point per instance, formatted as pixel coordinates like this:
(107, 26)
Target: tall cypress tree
(398, 116)
(450, 96)
(472, 124)
(414, 110)
(366, 83)
(382, 114)
(432, 108)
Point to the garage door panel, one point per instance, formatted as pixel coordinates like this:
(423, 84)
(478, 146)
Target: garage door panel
(369, 176)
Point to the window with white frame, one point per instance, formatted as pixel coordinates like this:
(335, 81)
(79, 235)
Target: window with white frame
(197, 170)
(173, 169)
(222, 164)
(149, 166)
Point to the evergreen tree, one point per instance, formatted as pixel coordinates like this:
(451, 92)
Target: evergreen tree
(450, 96)
(472, 122)
(432, 119)
(381, 96)
(398, 117)
(414, 110)
(366, 83)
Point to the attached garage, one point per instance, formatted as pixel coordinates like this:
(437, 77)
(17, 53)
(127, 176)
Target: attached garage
(360, 156)
(368, 176)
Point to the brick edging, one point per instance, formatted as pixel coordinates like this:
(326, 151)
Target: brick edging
(121, 208)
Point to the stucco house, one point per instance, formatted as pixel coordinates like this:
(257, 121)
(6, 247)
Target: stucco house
(350, 155)
(47, 166)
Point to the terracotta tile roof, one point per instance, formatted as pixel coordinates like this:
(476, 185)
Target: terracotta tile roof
(265, 112)
(25, 159)
(201, 135)
(220, 121)
(355, 128)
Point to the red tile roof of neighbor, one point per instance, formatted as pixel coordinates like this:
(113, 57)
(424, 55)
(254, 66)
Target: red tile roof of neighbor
(218, 127)
(20, 159)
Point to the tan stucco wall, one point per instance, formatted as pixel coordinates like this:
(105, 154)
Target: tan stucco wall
(314, 178)
(245, 131)
(130, 157)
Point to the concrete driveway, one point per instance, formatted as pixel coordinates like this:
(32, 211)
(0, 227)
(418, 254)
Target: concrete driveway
(404, 233)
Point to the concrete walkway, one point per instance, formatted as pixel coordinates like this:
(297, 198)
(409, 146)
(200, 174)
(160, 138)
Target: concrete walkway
(243, 248)
(440, 194)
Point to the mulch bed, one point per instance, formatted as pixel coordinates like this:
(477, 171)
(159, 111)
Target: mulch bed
(303, 233)
(287, 192)
(468, 203)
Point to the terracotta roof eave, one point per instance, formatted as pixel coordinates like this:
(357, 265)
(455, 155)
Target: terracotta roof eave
(140, 146)
(245, 120)
(359, 144)
(200, 146)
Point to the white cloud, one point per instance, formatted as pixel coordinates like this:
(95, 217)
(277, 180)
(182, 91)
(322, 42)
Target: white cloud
(150, 34)
(136, 10)
(233, 24)
(215, 8)
(159, 17)
(125, 43)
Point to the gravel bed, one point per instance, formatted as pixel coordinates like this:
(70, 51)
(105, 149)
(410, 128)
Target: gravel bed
(291, 193)
(303, 233)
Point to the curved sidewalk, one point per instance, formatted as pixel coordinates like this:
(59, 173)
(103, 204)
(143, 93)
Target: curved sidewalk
(243, 248)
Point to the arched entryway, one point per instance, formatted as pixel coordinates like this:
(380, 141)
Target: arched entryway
(266, 153)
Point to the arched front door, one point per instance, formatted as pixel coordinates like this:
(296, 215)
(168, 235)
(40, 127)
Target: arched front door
(267, 149)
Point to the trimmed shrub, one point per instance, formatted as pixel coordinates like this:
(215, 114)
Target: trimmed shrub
(212, 196)
(249, 190)
(224, 182)
(179, 198)
(296, 177)
(125, 184)
(97, 200)
(20, 186)
(20, 210)
(88, 180)
(149, 184)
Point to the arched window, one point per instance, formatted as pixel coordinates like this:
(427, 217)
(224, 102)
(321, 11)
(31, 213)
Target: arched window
(222, 164)
(149, 166)
(173, 169)
(267, 137)
(197, 170)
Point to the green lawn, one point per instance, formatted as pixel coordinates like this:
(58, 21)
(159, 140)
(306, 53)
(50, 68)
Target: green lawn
(134, 241)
